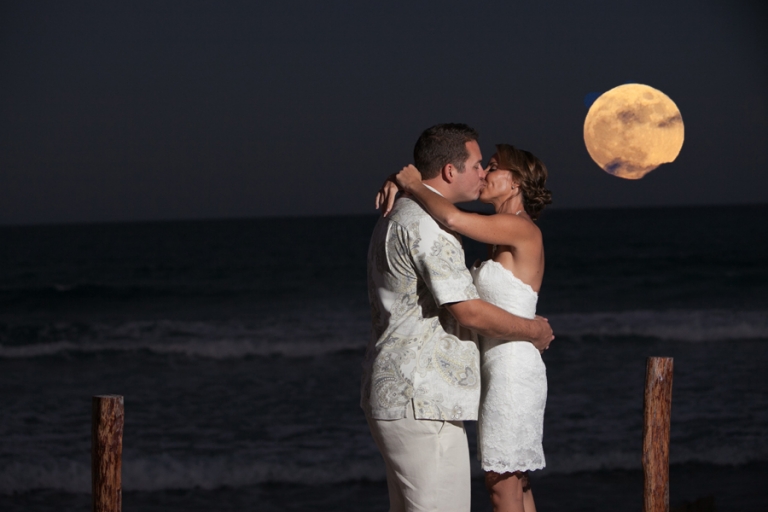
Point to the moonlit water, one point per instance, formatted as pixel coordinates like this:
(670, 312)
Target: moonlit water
(237, 346)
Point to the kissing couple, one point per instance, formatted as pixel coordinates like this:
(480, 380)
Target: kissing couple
(448, 343)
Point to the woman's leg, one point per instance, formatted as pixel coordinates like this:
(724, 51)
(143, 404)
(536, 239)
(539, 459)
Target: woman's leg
(510, 492)
(528, 503)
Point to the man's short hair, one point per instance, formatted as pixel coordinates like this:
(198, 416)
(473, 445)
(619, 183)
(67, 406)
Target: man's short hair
(441, 145)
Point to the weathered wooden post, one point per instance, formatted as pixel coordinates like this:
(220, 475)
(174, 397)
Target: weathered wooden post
(658, 405)
(107, 453)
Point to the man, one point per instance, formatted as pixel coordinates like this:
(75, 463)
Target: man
(421, 372)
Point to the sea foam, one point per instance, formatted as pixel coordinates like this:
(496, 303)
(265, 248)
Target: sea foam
(678, 325)
(321, 336)
(167, 472)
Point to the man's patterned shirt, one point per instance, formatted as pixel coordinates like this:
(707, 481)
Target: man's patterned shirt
(415, 266)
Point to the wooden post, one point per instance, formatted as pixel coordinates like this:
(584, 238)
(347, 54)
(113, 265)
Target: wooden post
(658, 405)
(107, 453)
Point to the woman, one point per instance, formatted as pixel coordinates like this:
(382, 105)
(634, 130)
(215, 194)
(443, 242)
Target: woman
(510, 424)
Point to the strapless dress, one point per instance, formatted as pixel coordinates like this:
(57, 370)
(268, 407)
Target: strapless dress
(514, 381)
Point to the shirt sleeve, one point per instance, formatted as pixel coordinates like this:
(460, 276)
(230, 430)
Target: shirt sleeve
(439, 259)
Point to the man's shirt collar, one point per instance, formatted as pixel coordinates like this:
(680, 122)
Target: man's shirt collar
(434, 190)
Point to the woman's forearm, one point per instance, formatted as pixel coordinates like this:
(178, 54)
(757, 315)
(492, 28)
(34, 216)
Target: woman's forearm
(437, 206)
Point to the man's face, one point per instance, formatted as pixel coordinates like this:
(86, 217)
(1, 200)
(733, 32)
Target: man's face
(469, 183)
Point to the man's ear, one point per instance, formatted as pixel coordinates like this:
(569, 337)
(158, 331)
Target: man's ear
(448, 172)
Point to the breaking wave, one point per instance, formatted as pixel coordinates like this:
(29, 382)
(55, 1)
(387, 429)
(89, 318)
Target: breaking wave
(166, 472)
(679, 325)
(343, 332)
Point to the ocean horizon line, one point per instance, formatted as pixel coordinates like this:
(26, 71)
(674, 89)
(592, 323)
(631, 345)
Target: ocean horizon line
(474, 206)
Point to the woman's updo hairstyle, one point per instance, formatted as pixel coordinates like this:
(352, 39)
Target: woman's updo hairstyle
(531, 173)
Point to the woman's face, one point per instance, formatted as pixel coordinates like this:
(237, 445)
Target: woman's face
(498, 182)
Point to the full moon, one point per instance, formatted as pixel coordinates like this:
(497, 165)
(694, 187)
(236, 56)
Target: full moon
(632, 129)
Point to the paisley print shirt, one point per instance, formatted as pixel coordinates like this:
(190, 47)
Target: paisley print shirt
(414, 355)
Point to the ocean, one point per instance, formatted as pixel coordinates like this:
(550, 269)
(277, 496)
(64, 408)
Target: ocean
(237, 345)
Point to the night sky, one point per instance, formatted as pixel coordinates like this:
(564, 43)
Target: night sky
(148, 110)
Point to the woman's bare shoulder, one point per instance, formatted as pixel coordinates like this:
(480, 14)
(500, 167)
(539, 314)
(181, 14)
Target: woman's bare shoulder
(519, 221)
(519, 229)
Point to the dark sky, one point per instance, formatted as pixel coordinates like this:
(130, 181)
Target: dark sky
(190, 109)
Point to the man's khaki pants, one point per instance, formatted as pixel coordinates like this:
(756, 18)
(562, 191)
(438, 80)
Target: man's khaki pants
(427, 463)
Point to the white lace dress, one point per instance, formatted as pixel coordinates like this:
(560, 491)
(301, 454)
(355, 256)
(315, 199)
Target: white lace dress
(514, 381)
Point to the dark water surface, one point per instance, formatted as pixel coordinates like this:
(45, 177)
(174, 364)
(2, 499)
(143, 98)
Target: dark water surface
(237, 345)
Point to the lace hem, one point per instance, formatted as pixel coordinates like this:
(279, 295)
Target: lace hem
(503, 467)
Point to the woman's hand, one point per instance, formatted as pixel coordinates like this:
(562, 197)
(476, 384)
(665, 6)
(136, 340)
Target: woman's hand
(408, 178)
(386, 196)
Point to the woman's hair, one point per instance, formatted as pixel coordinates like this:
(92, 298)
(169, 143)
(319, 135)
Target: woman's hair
(531, 173)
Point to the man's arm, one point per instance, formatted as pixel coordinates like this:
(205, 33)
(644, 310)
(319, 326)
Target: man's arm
(494, 322)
